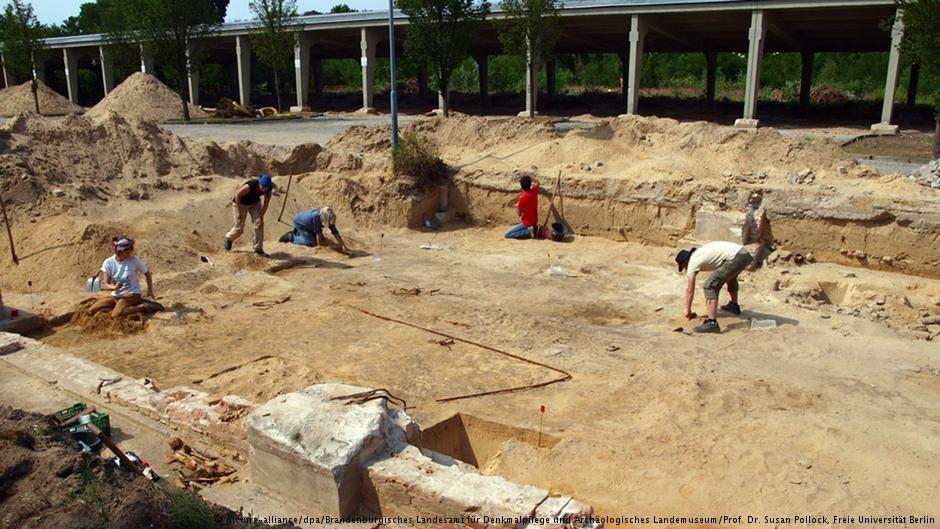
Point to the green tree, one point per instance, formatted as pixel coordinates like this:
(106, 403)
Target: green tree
(173, 30)
(922, 43)
(530, 29)
(273, 38)
(342, 8)
(21, 42)
(439, 34)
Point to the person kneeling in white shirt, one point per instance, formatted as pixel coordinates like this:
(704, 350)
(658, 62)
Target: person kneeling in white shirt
(120, 277)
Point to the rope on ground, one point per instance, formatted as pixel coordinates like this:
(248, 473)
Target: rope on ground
(565, 376)
(375, 394)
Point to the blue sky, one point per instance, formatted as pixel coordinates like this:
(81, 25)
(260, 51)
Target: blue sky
(55, 11)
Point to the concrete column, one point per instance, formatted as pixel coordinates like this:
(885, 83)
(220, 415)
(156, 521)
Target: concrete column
(711, 76)
(146, 61)
(441, 99)
(624, 74)
(531, 86)
(483, 66)
(368, 40)
(550, 79)
(8, 79)
(806, 79)
(243, 60)
(635, 65)
(39, 70)
(891, 83)
(192, 78)
(71, 73)
(423, 81)
(107, 70)
(755, 56)
(302, 43)
(318, 77)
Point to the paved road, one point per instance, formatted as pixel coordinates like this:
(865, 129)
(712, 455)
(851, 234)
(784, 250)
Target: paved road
(284, 133)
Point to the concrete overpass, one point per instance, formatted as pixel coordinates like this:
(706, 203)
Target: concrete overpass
(628, 28)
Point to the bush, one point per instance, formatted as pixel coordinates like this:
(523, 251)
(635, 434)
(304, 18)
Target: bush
(416, 156)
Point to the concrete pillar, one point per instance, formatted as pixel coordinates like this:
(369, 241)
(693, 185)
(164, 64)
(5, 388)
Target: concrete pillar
(442, 99)
(806, 79)
(635, 64)
(483, 66)
(624, 74)
(8, 79)
(423, 81)
(302, 43)
(71, 73)
(243, 60)
(891, 83)
(39, 70)
(711, 76)
(146, 61)
(107, 70)
(912, 82)
(531, 86)
(755, 56)
(192, 78)
(550, 79)
(318, 77)
(368, 40)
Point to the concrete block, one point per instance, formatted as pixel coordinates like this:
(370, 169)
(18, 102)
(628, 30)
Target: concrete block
(742, 123)
(297, 110)
(884, 128)
(308, 448)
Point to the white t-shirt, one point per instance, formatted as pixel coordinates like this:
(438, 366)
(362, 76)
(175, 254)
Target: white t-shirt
(710, 256)
(125, 272)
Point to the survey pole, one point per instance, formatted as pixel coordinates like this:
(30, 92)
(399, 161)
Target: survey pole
(391, 59)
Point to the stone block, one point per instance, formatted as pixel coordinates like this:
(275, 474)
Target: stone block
(308, 448)
(742, 123)
(884, 128)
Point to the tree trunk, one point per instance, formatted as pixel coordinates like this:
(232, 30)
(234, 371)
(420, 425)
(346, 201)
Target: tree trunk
(35, 95)
(936, 138)
(277, 91)
(183, 95)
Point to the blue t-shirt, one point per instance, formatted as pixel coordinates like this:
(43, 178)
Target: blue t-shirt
(310, 221)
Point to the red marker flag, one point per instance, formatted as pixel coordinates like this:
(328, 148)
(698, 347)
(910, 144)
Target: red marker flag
(542, 408)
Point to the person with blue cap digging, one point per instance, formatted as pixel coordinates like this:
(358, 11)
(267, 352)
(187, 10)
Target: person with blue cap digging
(725, 260)
(252, 198)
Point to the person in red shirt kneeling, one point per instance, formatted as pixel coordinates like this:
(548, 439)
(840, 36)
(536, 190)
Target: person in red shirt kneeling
(528, 209)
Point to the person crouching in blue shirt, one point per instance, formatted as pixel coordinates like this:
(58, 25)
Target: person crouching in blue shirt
(308, 229)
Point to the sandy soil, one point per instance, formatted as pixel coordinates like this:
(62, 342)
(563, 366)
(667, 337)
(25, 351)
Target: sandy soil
(833, 411)
(19, 98)
(143, 96)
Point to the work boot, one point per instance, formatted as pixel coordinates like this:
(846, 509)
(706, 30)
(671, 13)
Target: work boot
(261, 253)
(228, 245)
(731, 308)
(285, 237)
(709, 326)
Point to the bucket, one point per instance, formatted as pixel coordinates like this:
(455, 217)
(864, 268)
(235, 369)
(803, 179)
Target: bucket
(557, 231)
(93, 284)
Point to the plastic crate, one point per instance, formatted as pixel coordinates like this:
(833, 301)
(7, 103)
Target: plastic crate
(99, 419)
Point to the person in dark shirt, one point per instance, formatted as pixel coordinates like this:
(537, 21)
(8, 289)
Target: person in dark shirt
(527, 208)
(252, 198)
(308, 229)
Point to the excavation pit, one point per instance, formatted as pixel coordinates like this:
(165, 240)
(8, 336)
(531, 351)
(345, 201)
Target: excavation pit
(477, 441)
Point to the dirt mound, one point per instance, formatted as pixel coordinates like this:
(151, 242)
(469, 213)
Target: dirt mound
(484, 133)
(19, 98)
(47, 482)
(143, 96)
(78, 158)
(102, 323)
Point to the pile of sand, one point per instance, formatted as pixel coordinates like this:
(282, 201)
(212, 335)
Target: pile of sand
(95, 159)
(19, 98)
(143, 96)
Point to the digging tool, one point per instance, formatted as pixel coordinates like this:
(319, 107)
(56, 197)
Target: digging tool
(290, 179)
(126, 462)
(551, 204)
(6, 220)
(541, 415)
